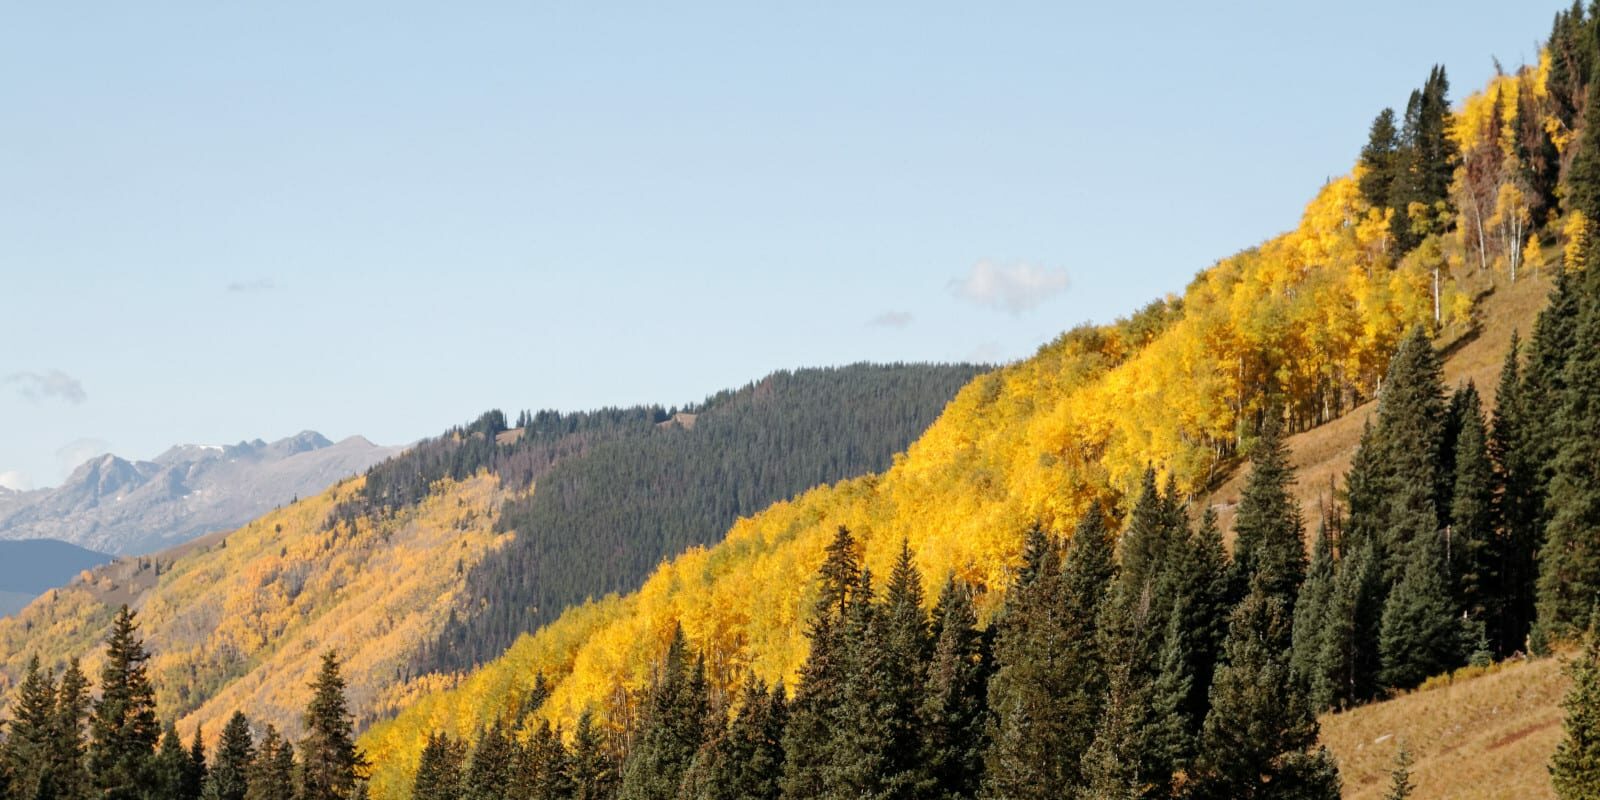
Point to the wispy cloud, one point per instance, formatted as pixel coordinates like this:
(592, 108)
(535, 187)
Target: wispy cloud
(51, 384)
(253, 285)
(1014, 288)
(77, 451)
(16, 479)
(891, 319)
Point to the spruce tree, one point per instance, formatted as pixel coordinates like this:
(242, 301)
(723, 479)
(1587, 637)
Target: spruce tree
(592, 768)
(1346, 671)
(330, 765)
(1199, 575)
(438, 769)
(954, 710)
(1516, 508)
(1400, 785)
(123, 729)
(543, 770)
(1569, 569)
(822, 677)
(67, 746)
(1311, 612)
(1421, 633)
(878, 725)
(1583, 177)
(195, 770)
(490, 770)
(1378, 160)
(27, 746)
(747, 762)
(1575, 768)
(272, 772)
(672, 729)
(172, 767)
(1258, 739)
(229, 777)
(1410, 435)
(1045, 698)
(1269, 544)
(1474, 555)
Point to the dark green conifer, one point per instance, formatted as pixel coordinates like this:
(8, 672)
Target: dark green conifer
(195, 769)
(272, 772)
(1471, 543)
(1258, 738)
(123, 729)
(1311, 612)
(543, 769)
(1347, 668)
(330, 765)
(954, 710)
(1575, 768)
(1269, 545)
(229, 776)
(1045, 698)
(172, 766)
(747, 762)
(593, 769)
(489, 771)
(822, 677)
(1400, 785)
(1378, 159)
(27, 747)
(1422, 634)
(67, 743)
(1569, 562)
(1516, 508)
(672, 728)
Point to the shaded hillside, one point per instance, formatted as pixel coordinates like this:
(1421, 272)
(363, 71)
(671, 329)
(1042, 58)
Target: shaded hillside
(124, 507)
(599, 524)
(32, 566)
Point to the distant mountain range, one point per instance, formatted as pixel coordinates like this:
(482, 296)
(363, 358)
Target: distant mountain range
(113, 505)
(31, 567)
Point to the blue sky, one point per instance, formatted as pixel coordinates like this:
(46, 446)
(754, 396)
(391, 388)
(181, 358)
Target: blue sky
(225, 221)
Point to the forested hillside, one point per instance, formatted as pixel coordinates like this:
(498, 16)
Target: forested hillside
(1443, 206)
(382, 565)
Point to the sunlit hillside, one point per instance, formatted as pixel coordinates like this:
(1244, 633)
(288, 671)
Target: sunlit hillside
(240, 621)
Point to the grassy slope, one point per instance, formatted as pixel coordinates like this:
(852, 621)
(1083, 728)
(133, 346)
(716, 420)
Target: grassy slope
(1475, 739)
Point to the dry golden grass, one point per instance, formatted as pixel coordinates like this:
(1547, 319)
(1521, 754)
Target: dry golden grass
(1485, 737)
(1321, 456)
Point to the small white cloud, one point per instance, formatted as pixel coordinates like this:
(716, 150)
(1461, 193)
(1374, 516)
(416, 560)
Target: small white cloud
(50, 384)
(16, 480)
(252, 286)
(890, 319)
(77, 451)
(1014, 289)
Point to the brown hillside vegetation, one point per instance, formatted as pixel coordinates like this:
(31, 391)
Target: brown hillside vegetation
(1478, 738)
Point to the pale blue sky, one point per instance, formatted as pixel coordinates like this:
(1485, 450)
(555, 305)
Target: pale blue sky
(223, 221)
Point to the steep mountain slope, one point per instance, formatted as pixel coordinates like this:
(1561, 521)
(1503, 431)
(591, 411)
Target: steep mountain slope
(1306, 320)
(377, 565)
(31, 567)
(123, 507)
